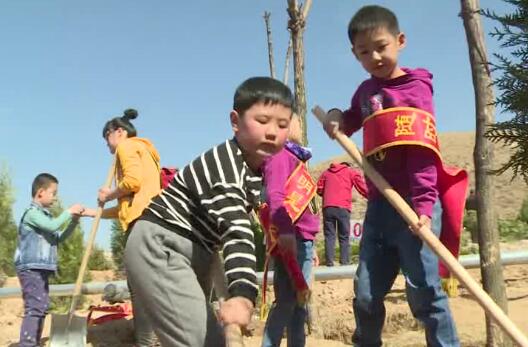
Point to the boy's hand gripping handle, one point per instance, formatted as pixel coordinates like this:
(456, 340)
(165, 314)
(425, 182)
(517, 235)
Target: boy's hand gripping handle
(427, 236)
(232, 332)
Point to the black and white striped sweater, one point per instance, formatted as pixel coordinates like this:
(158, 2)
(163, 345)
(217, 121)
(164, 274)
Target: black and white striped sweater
(209, 202)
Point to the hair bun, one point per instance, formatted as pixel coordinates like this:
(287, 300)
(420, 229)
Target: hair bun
(130, 113)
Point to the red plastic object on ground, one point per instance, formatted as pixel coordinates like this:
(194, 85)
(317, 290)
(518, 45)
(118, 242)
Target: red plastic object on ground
(117, 312)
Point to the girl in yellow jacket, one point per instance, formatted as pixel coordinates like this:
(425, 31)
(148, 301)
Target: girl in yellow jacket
(137, 170)
(137, 181)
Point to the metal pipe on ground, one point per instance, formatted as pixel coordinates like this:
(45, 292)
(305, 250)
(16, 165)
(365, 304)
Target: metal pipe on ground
(321, 273)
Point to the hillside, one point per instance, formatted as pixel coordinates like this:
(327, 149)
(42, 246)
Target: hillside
(457, 150)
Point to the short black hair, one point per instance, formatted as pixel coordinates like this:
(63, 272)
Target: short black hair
(122, 122)
(42, 181)
(372, 17)
(261, 89)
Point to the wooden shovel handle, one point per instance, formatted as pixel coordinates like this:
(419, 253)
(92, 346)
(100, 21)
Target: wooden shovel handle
(428, 237)
(91, 240)
(233, 333)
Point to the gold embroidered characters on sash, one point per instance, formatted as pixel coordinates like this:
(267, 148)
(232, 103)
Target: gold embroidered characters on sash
(300, 189)
(398, 126)
(404, 124)
(430, 129)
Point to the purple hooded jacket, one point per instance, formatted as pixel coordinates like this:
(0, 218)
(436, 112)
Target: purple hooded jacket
(276, 171)
(410, 170)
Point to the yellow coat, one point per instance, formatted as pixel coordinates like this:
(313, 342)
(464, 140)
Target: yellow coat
(138, 173)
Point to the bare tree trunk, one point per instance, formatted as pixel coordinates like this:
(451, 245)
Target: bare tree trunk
(267, 16)
(483, 154)
(287, 62)
(296, 25)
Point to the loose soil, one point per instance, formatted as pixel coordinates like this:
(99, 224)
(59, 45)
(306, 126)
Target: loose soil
(332, 306)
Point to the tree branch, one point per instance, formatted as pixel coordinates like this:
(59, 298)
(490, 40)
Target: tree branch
(267, 16)
(306, 8)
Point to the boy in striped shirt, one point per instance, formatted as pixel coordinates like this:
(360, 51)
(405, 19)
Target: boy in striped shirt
(204, 209)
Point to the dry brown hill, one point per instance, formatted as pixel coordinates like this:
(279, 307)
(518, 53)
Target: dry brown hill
(457, 150)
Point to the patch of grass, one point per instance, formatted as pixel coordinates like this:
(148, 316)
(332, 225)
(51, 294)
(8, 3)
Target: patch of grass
(523, 212)
(466, 245)
(353, 253)
(61, 304)
(513, 230)
(509, 229)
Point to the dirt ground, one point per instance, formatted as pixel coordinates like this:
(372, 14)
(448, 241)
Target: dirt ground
(333, 311)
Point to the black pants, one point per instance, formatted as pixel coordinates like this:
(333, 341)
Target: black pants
(336, 218)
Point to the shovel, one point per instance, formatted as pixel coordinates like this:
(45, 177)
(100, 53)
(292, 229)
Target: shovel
(232, 332)
(429, 238)
(70, 329)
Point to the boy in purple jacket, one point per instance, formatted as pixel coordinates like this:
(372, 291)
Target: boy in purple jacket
(335, 186)
(387, 244)
(296, 225)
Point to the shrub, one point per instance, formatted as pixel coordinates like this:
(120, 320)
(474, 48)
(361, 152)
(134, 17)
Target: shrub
(99, 261)
(117, 245)
(8, 228)
(523, 213)
(513, 230)
(470, 221)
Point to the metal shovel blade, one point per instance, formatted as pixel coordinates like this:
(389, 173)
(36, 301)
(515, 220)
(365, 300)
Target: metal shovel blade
(64, 334)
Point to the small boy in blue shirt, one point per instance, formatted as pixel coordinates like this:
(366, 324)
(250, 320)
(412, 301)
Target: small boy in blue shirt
(36, 253)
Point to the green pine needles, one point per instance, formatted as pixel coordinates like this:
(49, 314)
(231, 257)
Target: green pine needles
(512, 33)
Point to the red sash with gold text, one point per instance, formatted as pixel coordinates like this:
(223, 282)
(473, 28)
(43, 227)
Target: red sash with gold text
(300, 188)
(411, 126)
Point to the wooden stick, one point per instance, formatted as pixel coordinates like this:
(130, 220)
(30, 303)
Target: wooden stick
(232, 332)
(267, 16)
(287, 62)
(89, 246)
(428, 237)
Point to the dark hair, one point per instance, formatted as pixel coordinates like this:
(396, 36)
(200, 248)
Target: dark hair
(42, 181)
(261, 89)
(370, 18)
(122, 122)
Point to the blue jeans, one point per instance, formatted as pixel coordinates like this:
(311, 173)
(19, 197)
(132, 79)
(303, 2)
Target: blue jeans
(286, 313)
(35, 292)
(336, 218)
(386, 246)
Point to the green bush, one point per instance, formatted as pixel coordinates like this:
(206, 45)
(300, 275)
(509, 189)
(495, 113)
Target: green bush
(98, 260)
(117, 245)
(8, 228)
(513, 230)
(466, 245)
(470, 221)
(523, 213)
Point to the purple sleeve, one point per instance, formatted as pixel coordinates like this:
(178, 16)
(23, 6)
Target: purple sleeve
(421, 163)
(276, 171)
(352, 119)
